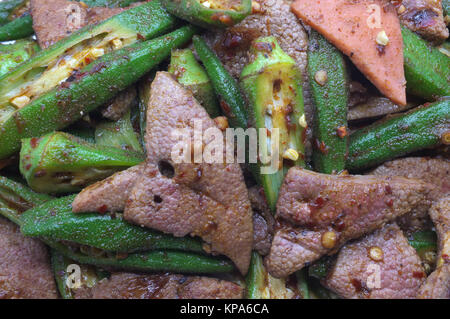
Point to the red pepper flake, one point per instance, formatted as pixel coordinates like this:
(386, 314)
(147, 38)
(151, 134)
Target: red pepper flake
(390, 202)
(226, 108)
(34, 142)
(102, 209)
(140, 36)
(263, 46)
(322, 147)
(418, 274)
(388, 189)
(40, 173)
(27, 167)
(342, 131)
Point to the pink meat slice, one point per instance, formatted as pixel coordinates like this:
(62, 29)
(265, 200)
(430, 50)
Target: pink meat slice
(318, 206)
(108, 195)
(397, 274)
(206, 200)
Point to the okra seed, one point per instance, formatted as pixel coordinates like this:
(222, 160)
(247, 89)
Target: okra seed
(291, 154)
(329, 239)
(321, 77)
(401, 9)
(376, 253)
(382, 38)
(302, 121)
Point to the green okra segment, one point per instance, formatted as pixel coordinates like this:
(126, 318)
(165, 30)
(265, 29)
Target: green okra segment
(423, 127)
(8, 8)
(55, 220)
(16, 198)
(96, 84)
(18, 28)
(226, 88)
(210, 13)
(57, 63)
(151, 261)
(329, 89)
(427, 70)
(63, 267)
(191, 75)
(272, 84)
(61, 163)
(261, 285)
(119, 134)
(12, 55)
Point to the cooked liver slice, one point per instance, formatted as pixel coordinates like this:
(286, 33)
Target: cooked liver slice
(207, 200)
(426, 18)
(438, 283)
(25, 271)
(165, 286)
(346, 207)
(355, 274)
(54, 20)
(108, 195)
(431, 170)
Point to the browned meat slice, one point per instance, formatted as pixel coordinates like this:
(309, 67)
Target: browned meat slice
(108, 195)
(134, 286)
(432, 170)
(438, 283)
(207, 200)
(379, 265)
(424, 17)
(56, 19)
(332, 209)
(98, 14)
(263, 221)
(25, 270)
(375, 106)
(119, 105)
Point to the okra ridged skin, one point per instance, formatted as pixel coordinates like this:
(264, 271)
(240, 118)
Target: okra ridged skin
(62, 163)
(16, 198)
(13, 54)
(198, 14)
(424, 127)
(56, 221)
(97, 84)
(39, 75)
(18, 28)
(151, 261)
(6, 8)
(59, 267)
(330, 98)
(192, 76)
(272, 85)
(226, 88)
(255, 281)
(427, 70)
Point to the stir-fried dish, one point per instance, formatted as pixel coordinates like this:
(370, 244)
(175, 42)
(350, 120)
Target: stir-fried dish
(248, 149)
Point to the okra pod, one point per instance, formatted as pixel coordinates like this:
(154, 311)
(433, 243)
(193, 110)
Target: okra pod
(427, 70)
(7, 7)
(119, 134)
(61, 266)
(329, 89)
(61, 163)
(272, 84)
(226, 88)
(58, 62)
(13, 54)
(151, 261)
(261, 285)
(18, 28)
(16, 198)
(210, 13)
(191, 75)
(97, 83)
(423, 127)
(55, 220)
